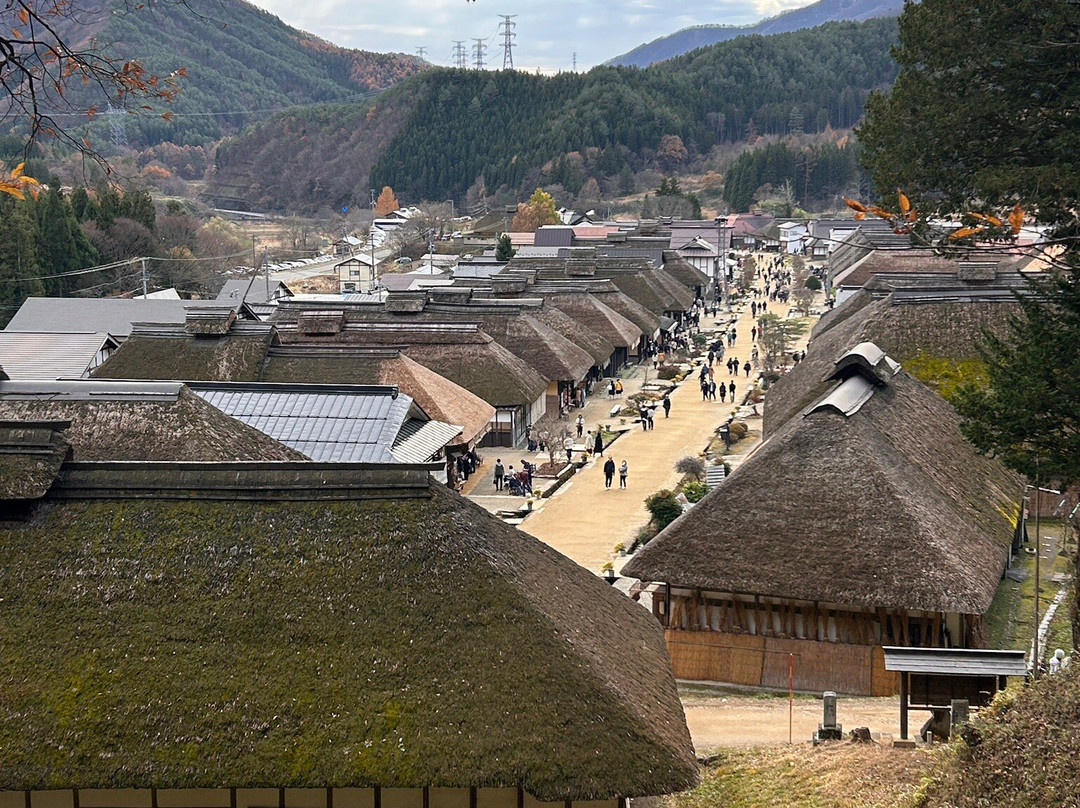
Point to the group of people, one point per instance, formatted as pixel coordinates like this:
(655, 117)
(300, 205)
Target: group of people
(609, 473)
(515, 483)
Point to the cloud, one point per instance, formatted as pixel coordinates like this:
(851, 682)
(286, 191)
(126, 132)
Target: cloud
(770, 8)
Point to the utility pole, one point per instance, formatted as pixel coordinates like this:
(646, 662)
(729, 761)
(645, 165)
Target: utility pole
(478, 52)
(508, 25)
(421, 51)
(460, 61)
(143, 277)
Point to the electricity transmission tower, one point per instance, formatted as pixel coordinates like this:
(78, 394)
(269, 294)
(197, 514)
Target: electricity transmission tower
(574, 61)
(507, 27)
(421, 51)
(117, 130)
(459, 54)
(478, 52)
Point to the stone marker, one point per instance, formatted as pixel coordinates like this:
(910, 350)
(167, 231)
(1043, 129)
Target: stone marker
(828, 729)
(960, 711)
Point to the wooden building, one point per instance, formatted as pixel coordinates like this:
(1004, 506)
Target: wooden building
(308, 635)
(865, 520)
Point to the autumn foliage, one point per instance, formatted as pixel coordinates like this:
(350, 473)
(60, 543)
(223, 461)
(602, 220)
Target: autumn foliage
(387, 202)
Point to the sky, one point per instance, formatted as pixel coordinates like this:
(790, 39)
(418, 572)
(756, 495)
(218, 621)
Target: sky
(549, 32)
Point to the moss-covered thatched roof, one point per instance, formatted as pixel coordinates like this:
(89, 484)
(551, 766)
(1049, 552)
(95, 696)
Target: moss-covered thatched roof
(31, 453)
(684, 272)
(123, 425)
(591, 313)
(161, 352)
(889, 507)
(944, 330)
(213, 641)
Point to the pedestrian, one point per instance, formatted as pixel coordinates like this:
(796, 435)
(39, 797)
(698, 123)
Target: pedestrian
(712, 356)
(723, 393)
(746, 367)
(650, 413)
(598, 444)
(667, 405)
(753, 333)
(731, 391)
(580, 425)
(510, 475)
(618, 387)
(609, 472)
(500, 472)
(624, 469)
(712, 390)
(611, 389)
(568, 445)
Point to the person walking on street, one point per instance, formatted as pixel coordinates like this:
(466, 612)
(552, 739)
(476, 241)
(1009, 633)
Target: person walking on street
(580, 425)
(598, 444)
(731, 392)
(609, 472)
(611, 389)
(624, 469)
(500, 472)
(618, 387)
(746, 367)
(667, 405)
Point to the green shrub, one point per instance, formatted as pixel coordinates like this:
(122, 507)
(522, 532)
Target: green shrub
(644, 535)
(667, 372)
(664, 507)
(694, 490)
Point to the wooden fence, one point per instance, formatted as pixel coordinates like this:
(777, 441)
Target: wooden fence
(752, 661)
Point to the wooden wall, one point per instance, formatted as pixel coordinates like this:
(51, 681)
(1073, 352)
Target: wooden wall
(754, 661)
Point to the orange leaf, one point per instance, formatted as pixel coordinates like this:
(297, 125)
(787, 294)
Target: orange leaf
(859, 216)
(881, 213)
(1016, 219)
(905, 203)
(24, 16)
(964, 232)
(911, 216)
(851, 203)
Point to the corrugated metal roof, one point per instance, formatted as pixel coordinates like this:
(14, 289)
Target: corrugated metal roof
(337, 426)
(90, 390)
(114, 316)
(39, 355)
(955, 661)
(419, 440)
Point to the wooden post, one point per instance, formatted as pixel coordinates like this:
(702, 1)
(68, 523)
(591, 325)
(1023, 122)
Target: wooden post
(904, 705)
(790, 695)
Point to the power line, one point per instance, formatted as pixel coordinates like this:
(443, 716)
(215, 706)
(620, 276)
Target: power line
(478, 52)
(507, 29)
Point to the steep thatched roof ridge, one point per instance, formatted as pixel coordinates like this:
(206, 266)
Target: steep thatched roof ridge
(593, 314)
(416, 642)
(181, 427)
(461, 352)
(161, 352)
(629, 308)
(684, 272)
(889, 508)
(439, 397)
(597, 346)
(551, 354)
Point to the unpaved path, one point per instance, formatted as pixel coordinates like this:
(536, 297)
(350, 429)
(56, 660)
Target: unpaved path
(736, 720)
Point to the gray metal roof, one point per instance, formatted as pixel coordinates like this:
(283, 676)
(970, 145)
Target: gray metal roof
(326, 423)
(955, 661)
(38, 355)
(110, 315)
(418, 441)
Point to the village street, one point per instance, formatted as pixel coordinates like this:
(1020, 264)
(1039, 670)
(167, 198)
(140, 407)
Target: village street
(584, 521)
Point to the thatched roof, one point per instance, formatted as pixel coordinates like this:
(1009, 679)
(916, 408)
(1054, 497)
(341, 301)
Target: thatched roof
(948, 330)
(610, 295)
(592, 314)
(394, 636)
(461, 352)
(684, 272)
(31, 453)
(138, 421)
(887, 507)
(172, 352)
(597, 346)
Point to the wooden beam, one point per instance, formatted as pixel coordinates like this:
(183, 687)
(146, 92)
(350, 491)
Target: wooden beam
(903, 705)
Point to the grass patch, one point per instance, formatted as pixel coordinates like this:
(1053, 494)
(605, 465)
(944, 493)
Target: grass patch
(802, 776)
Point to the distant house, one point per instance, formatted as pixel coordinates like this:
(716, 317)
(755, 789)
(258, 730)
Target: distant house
(700, 254)
(356, 274)
(37, 355)
(309, 635)
(864, 520)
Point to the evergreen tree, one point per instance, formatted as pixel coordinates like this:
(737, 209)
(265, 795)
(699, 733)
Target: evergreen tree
(627, 185)
(62, 246)
(19, 268)
(504, 250)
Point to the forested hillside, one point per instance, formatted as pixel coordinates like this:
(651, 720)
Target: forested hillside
(700, 36)
(814, 174)
(439, 133)
(242, 64)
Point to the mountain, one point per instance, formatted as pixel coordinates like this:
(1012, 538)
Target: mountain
(242, 65)
(443, 131)
(700, 36)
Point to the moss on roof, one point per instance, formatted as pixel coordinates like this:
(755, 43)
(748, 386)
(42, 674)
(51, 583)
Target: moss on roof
(229, 358)
(394, 643)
